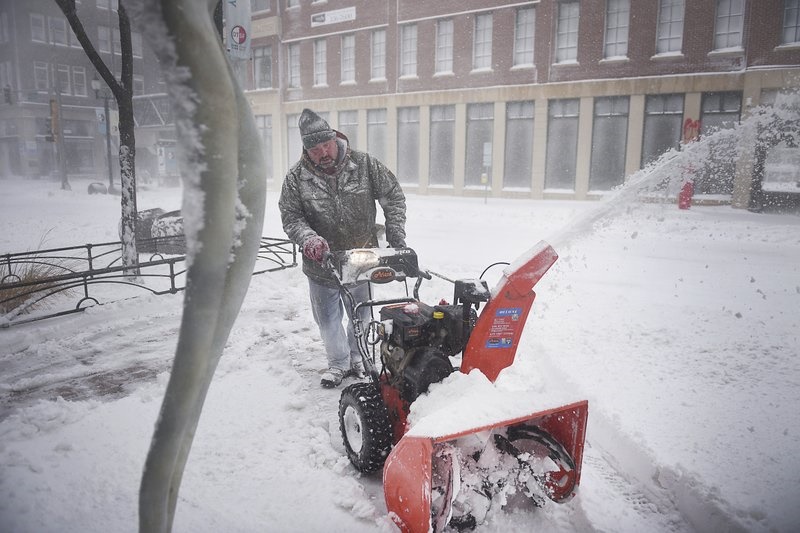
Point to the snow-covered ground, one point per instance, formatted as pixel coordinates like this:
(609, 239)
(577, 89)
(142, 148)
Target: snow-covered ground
(679, 327)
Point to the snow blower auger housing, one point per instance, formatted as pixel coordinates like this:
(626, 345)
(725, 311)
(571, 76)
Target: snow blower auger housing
(430, 479)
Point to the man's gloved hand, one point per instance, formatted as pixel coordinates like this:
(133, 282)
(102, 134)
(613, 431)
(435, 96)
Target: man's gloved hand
(315, 248)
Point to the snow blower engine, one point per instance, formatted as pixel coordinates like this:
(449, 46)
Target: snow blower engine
(426, 476)
(417, 340)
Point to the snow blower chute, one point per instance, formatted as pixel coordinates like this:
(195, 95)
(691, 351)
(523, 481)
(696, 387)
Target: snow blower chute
(451, 477)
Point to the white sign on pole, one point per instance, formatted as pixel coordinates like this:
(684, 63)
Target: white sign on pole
(237, 24)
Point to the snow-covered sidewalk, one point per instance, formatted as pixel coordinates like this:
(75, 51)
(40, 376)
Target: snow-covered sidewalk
(679, 327)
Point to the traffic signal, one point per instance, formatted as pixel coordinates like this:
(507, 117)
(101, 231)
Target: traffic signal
(7, 94)
(55, 115)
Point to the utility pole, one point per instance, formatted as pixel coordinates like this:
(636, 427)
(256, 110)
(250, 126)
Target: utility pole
(58, 133)
(108, 143)
(106, 96)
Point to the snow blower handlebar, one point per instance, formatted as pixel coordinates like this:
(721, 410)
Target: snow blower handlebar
(374, 265)
(377, 265)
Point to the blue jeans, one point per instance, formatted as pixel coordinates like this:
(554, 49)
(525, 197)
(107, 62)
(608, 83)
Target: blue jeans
(326, 306)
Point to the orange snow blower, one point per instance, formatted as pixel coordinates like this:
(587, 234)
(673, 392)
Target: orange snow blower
(452, 465)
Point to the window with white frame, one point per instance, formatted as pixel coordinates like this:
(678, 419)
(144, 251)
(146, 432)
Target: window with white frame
(293, 52)
(264, 126)
(561, 161)
(609, 140)
(117, 43)
(442, 145)
(38, 33)
(348, 58)
(670, 26)
(567, 32)
(663, 114)
(105, 4)
(138, 85)
(260, 5)
(408, 145)
(79, 81)
(377, 133)
(348, 126)
(378, 49)
(262, 67)
(58, 30)
(320, 63)
(482, 43)
(444, 46)
(292, 3)
(103, 39)
(294, 144)
(136, 44)
(524, 37)
(4, 36)
(41, 75)
(518, 168)
(408, 50)
(728, 24)
(63, 77)
(480, 129)
(718, 110)
(791, 22)
(5, 75)
(618, 14)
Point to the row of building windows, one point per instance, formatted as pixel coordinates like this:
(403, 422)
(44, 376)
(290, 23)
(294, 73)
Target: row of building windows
(728, 35)
(57, 32)
(70, 80)
(663, 129)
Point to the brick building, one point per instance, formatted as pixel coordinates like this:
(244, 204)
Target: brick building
(41, 61)
(536, 99)
(539, 99)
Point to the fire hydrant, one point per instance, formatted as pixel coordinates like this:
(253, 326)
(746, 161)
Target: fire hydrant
(685, 196)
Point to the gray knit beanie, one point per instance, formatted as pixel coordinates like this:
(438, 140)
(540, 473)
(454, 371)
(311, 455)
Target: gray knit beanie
(314, 129)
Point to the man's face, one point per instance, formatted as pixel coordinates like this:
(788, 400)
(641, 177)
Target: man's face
(324, 154)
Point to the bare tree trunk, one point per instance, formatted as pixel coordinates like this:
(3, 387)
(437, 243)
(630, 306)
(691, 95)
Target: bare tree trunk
(123, 95)
(224, 197)
(127, 149)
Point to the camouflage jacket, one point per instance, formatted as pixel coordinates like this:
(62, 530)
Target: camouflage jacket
(341, 207)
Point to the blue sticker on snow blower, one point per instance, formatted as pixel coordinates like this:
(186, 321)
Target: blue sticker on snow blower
(504, 328)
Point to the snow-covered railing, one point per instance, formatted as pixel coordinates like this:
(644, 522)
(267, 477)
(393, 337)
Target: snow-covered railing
(45, 283)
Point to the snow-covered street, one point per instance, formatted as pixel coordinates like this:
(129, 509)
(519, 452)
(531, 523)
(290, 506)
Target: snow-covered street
(679, 326)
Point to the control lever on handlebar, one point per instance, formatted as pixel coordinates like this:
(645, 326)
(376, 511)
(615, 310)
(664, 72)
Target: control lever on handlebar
(330, 265)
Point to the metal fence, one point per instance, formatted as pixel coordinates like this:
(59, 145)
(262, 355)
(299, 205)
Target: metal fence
(59, 281)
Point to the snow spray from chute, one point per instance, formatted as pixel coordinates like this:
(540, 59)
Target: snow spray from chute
(663, 180)
(660, 180)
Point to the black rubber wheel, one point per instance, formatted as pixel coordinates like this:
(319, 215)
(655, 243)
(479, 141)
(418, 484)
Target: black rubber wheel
(364, 424)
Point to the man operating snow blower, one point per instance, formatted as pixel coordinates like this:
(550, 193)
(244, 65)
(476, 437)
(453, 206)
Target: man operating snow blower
(327, 204)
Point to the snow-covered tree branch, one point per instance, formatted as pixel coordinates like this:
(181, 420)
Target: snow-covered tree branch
(223, 207)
